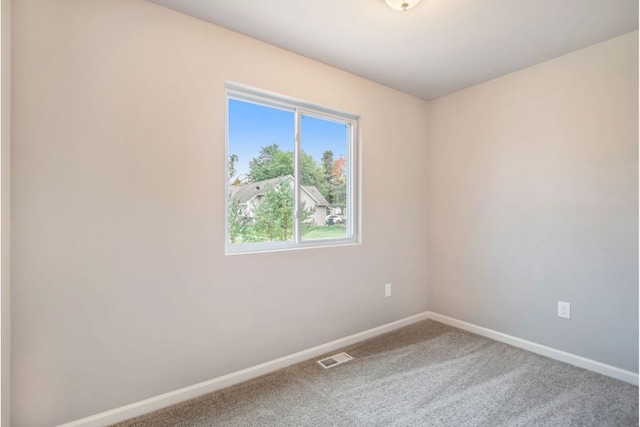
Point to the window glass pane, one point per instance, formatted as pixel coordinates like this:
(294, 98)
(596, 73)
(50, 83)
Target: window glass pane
(260, 207)
(324, 160)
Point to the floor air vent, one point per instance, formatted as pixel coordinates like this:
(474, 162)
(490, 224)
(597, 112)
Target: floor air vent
(330, 362)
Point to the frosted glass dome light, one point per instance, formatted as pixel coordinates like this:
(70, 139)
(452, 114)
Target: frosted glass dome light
(402, 5)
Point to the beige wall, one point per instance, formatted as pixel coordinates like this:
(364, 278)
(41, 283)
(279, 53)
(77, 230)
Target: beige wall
(533, 198)
(5, 167)
(121, 287)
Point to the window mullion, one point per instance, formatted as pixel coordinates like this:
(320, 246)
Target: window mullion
(296, 178)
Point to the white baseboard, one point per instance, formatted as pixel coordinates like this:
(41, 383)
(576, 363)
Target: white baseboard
(167, 399)
(177, 396)
(552, 353)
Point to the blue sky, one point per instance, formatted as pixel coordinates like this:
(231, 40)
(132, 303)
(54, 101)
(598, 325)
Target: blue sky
(252, 126)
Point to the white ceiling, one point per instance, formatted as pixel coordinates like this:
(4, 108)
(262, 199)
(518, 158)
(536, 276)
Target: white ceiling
(438, 47)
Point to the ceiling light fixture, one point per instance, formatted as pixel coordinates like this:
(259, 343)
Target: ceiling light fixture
(402, 5)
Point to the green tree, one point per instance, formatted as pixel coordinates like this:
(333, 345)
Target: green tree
(238, 224)
(327, 165)
(327, 174)
(233, 159)
(274, 215)
(272, 162)
(311, 173)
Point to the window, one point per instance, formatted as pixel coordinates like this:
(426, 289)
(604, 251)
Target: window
(291, 178)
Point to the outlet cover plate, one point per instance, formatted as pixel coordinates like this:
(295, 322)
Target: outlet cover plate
(564, 310)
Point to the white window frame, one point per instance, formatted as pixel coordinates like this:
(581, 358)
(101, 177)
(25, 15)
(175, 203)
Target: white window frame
(299, 108)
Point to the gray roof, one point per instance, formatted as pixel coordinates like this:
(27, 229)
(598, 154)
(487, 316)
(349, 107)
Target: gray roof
(316, 194)
(244, 193)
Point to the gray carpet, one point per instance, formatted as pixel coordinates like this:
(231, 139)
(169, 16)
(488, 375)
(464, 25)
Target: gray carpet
(426, 374)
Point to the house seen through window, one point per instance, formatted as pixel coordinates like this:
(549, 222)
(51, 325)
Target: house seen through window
(291, 173)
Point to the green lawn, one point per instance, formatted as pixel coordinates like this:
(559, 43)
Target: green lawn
(324, 231)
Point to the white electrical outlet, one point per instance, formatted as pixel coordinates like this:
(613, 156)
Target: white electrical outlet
(564, 309)
(387, 290)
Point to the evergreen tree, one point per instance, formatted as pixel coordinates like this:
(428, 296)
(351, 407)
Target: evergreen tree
(327, 174)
